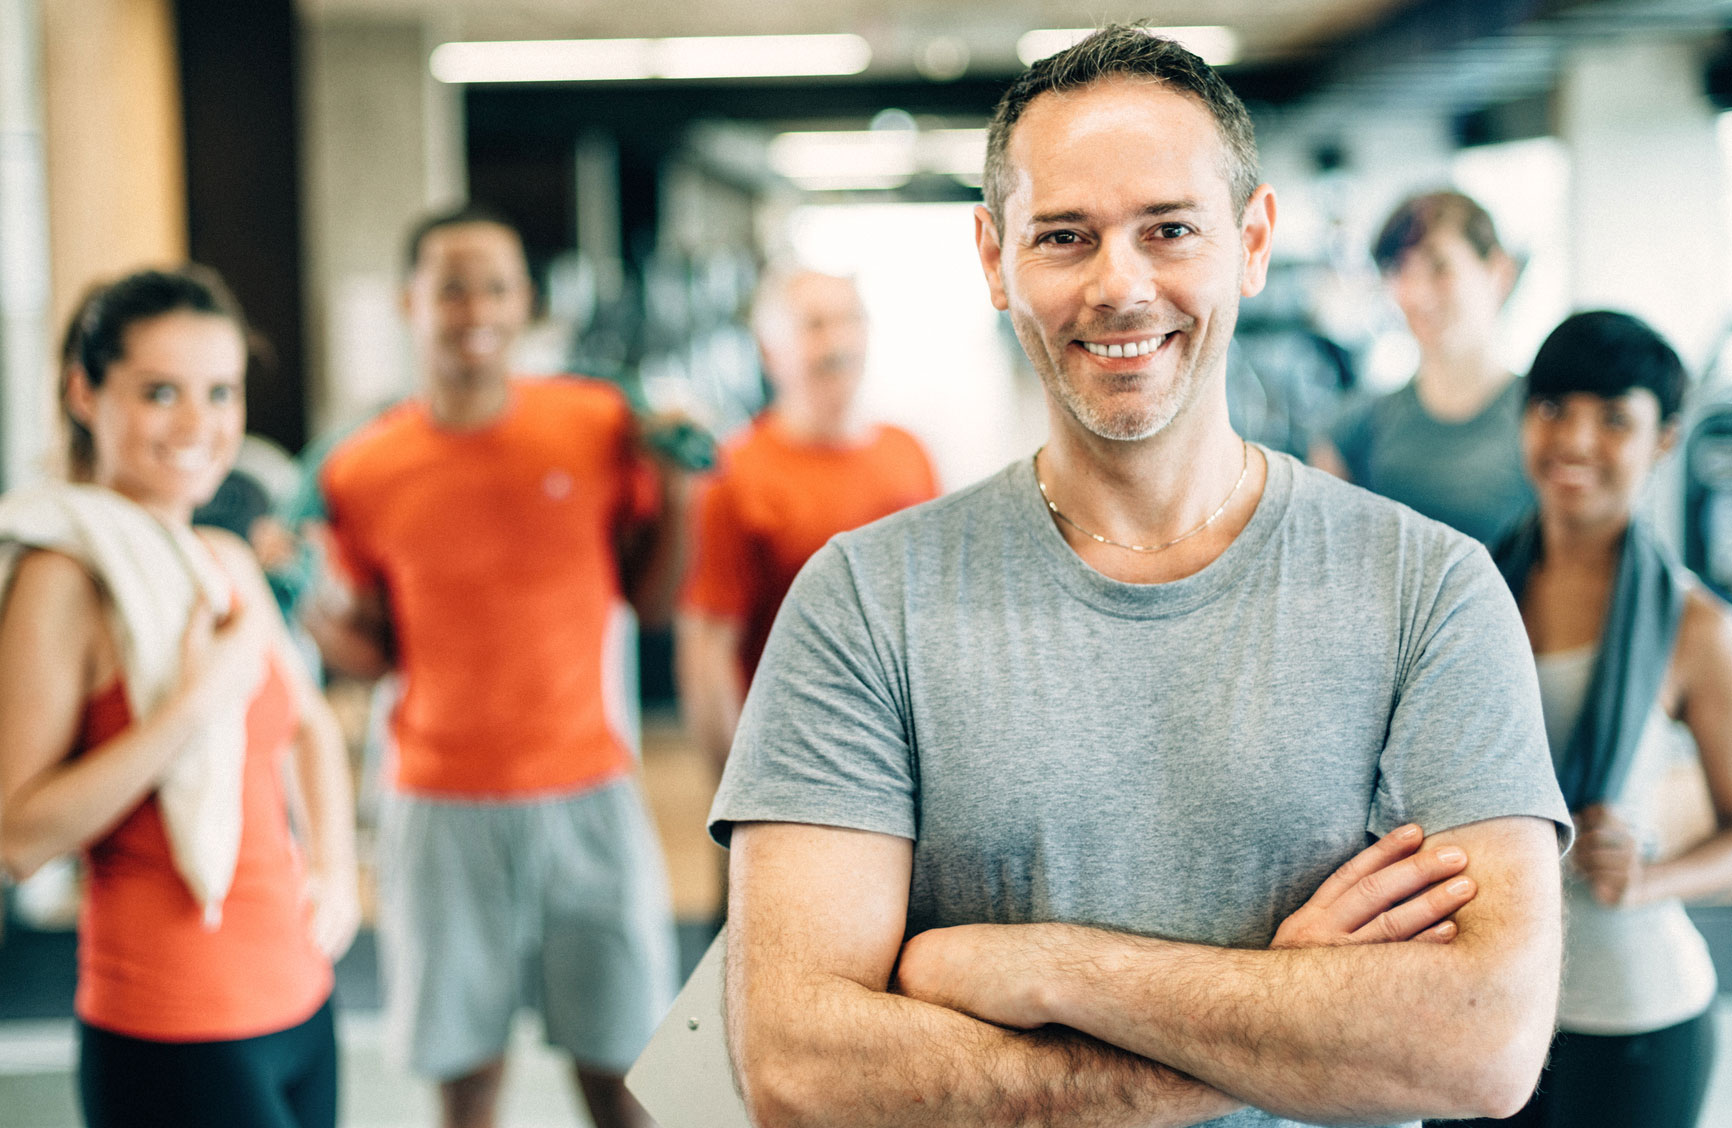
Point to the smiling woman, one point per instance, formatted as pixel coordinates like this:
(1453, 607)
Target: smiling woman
(164, 414)
(1626, 644)
(150, 702)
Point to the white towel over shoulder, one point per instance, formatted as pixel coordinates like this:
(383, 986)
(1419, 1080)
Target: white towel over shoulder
(152, 574)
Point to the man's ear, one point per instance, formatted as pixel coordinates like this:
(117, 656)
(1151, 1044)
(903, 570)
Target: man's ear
(1257, 235)
(1668, 440)
(986, 241)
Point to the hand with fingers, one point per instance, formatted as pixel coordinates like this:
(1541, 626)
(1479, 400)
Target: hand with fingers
(335, 914)
(1608, 855)
(1393, 890)
(222, 661)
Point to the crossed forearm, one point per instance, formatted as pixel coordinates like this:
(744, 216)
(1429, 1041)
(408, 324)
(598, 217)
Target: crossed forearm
(1346, 1032)
(1367, 1034)
(830, 1051)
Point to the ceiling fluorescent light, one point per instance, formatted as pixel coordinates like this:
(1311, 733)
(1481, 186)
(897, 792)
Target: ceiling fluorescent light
(1214, 44)
(762, 56)
(875, 158)
(600, 60)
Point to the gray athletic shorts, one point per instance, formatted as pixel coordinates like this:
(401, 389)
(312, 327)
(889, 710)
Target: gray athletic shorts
(484, 907)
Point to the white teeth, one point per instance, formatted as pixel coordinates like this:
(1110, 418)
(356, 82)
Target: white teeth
(1134, 348)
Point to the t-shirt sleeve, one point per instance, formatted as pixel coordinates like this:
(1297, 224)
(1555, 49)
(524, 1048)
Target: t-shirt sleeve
(1466, 739)
(344, 545)
(721, 577)
(823, 736)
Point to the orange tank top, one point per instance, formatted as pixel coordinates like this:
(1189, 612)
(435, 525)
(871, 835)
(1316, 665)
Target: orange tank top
(147, 967)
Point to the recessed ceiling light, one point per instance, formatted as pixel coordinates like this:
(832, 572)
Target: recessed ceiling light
(876, 158)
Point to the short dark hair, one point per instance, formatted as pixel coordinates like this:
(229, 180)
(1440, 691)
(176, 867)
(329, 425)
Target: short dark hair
(461, 216)
(1419, 216)
(96, 336)
(1130, 51)
(1605, 353)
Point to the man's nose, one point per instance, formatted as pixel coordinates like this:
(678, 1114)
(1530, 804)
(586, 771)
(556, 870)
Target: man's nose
(477, 306)
(1122, 276)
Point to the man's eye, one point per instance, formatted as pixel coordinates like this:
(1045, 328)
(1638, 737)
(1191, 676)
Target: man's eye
(1061, 238)
(1173, 230)
(223, 393)
(159, 393)
(1547, 408)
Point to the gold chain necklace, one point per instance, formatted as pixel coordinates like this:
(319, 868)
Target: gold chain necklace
(1245, 469)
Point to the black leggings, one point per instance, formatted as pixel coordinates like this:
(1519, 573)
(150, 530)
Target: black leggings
(1655, 1080)
(282, 1080)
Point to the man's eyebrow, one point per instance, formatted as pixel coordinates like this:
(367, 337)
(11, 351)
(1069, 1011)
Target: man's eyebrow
(1076, 216)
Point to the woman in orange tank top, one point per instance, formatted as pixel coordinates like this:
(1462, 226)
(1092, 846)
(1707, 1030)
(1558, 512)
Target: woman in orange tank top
(183, 1020)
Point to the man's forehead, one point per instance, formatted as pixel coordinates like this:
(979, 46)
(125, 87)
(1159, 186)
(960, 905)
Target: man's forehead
(471, 245)
(813, 288)
(1158, 121)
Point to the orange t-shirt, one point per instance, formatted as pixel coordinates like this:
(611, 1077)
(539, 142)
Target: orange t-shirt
(774, 502)
(147, 967)
(495, 549)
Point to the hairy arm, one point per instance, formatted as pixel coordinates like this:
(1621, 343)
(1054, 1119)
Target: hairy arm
(707, 668)
(816, 919)
(1338, 1034)
(51, 636)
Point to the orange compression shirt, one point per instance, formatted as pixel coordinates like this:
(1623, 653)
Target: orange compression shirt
(147, 967)
(774, 502)
(495, 550)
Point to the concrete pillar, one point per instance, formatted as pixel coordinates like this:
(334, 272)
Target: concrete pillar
(1647, 212)
(384, 143)
(26, 404)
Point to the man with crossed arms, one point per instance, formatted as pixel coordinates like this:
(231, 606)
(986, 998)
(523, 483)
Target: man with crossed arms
(1036, 792)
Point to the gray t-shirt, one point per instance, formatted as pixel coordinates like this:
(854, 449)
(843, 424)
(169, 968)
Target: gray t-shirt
(1466, 473)
(1187, 760)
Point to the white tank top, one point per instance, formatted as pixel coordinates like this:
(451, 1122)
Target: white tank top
(1626, 970)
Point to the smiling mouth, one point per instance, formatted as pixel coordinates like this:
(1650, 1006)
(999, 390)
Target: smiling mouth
(190, 461)
(1570, 474)
(1126, 349)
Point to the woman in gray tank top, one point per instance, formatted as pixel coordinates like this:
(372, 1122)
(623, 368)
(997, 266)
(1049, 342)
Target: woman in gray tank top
(1445, 443)
(1627, 644)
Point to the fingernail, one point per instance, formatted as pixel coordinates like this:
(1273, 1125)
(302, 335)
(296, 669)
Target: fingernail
(1451, 855)
(1407, 833)
(1460, 888)
(1447, 928)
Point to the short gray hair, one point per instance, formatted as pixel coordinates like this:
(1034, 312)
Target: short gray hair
(1130, 51)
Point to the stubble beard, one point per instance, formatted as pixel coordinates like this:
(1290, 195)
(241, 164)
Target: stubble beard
(1143, 415)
